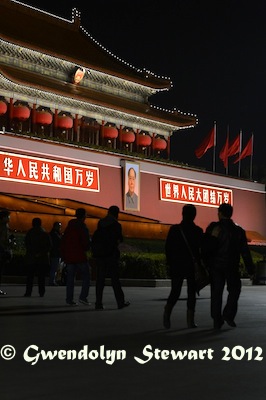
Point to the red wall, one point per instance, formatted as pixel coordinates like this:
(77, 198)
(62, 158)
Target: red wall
(249, 197)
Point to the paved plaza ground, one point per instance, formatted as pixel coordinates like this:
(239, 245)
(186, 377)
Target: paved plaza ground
(127, 354)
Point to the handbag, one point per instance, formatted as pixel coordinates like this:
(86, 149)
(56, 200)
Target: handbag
(202, 276)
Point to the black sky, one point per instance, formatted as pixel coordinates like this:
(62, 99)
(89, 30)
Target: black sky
(213, 51)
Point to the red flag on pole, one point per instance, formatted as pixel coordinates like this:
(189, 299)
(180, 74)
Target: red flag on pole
(224, 152)
(229, 149)
(207, 144)
(234, 146)
(248, 150)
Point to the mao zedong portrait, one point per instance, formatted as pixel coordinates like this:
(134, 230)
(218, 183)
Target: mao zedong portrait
(132, 199)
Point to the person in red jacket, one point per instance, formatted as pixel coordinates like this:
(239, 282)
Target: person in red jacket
(74, 246)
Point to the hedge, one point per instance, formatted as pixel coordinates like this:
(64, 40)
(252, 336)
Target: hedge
(143, 266)
(148, 262)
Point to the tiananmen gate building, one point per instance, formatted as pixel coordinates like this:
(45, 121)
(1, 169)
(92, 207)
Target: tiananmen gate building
(76, 120)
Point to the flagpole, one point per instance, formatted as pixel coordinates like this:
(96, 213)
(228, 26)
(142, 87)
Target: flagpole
(227, 164)
(214, 148)
(240, 150)
(251, 158)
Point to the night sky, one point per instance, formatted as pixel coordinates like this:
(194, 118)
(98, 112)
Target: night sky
(213, 51)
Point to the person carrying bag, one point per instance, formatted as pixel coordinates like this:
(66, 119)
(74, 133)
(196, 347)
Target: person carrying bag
(181, 264)
(202, 276)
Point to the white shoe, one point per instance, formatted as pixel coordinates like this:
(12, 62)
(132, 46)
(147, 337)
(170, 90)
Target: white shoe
(84, 302)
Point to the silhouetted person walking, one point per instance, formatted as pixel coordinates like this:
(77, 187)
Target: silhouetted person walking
(74, 247)
(105, 242)
(5, 248)
(38, 246)
(224, 243)
(55, 253)
(181, 264)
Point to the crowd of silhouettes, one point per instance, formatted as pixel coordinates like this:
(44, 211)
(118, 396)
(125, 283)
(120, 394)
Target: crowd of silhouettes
(60, 256)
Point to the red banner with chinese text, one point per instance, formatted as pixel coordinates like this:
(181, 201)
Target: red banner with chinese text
(190, 193)
(41, 171)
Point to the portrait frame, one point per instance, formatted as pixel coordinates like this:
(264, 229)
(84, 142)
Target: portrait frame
(131, 191)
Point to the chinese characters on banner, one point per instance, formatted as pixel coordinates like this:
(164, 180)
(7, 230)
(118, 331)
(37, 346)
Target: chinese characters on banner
(183, 192)
(21, 168)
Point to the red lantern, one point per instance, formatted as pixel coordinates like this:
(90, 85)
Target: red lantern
(21, 112)
(159, 144)
(64, 122)
(43, 117)
(128, 137)
(144, 140)
(3, 107)
(109, 132)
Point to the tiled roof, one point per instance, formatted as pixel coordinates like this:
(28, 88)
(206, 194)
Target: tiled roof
(65, 39)
(59, 39)
(83, 94)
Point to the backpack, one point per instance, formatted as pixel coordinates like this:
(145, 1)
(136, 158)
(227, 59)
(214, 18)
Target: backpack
(103, 242)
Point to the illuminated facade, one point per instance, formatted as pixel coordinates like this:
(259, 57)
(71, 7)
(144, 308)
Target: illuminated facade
(72, 114)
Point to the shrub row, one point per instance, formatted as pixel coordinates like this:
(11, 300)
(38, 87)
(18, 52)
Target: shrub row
(133, 265)
(143, 266)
